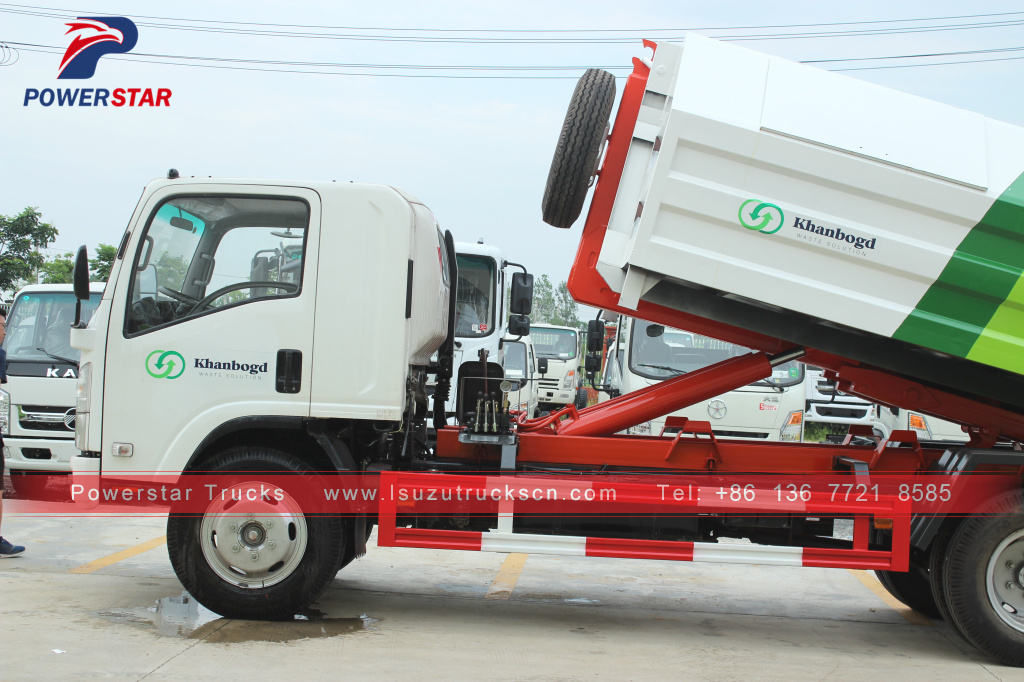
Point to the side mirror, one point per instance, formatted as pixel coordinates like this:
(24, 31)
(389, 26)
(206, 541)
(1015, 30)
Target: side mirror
(542, 365)
(80, 280)
(518, 325)
(521, 302)
(595, 336)
(592, 363)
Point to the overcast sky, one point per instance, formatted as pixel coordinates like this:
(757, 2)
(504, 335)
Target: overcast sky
(475, 150)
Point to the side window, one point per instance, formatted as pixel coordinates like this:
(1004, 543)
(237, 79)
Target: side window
(202, 253)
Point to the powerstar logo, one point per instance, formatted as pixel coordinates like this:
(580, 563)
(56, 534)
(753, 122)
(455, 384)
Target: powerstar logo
(91, 38)
(165, 364)
(761, 216)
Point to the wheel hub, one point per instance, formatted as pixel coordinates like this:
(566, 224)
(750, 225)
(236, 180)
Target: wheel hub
(253, 534)
(1005, 580)
(261, 550)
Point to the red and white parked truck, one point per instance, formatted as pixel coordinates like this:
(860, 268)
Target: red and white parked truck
(798, 213)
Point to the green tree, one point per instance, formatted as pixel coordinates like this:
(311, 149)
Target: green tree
(20, 238)
(566, 310)
(101, 264)
(59, 270)
(543, 301)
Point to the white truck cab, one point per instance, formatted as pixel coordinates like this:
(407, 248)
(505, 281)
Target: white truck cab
(561, 385)
(481, 314)
(37, 404)
(521, 370)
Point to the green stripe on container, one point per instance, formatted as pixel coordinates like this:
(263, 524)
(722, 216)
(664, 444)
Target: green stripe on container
(973, 290)
(1001, 344)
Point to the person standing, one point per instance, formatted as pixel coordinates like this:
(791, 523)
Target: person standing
(6, 548)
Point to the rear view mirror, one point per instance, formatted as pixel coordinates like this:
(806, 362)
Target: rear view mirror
(182, 223)
(655, 330)
(518, 325)
(542, 365)
(521, 302)
(595, 335)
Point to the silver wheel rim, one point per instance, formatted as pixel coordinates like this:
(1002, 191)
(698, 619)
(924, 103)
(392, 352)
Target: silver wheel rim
(253, 544)
(1004, 581)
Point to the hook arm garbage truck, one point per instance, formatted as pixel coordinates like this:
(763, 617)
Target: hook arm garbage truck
(801, 214)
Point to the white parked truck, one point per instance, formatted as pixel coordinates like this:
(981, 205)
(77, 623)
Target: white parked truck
(521, 369)
(562, 383)
(481, 318)
(37, 404)
(644, 354)
(735, 191)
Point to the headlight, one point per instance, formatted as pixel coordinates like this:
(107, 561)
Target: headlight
(83, 401)
(569, 381)
(83, 390)
(793, 428)
(5, 412)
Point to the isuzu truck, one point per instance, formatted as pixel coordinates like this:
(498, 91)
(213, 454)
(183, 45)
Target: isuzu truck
(733, 191)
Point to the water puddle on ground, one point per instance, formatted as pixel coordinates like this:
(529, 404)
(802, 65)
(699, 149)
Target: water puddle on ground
(184, 617)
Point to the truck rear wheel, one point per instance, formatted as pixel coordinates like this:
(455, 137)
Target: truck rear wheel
(265, 565)
(579, 144)
(912, 588)
(984, 579)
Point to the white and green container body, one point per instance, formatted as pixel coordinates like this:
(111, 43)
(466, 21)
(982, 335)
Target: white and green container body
(862, 210)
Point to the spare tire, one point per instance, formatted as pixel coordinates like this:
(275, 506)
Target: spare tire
(579, 146)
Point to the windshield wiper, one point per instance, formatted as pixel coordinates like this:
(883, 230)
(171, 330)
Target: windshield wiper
(663, 367)
(57, 357)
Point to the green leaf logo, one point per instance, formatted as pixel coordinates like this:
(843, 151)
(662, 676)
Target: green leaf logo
(165, 364)
(761, 216)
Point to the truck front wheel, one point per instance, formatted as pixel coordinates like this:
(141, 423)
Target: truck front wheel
(984, 579)
(265, 564)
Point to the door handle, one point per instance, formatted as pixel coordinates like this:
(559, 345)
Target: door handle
(289, 371)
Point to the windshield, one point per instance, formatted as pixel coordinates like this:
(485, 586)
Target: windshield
(474, 297)
(43, 321)
(554, 343)
(659, 352)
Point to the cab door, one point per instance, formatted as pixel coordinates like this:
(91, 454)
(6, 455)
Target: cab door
(211, 321)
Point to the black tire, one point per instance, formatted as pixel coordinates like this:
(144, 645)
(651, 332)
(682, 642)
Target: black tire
(204, 566)
(912, 588)
(976, 576)
(579, 144)
(581, 398)
(936, 573)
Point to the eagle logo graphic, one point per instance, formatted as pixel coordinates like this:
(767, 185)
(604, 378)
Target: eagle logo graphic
(92, 38)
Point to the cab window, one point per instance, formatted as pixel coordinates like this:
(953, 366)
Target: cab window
(201, 254)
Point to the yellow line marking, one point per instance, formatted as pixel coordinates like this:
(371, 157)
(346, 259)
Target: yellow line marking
(119, 556)
(871, 582)
(507, 576)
